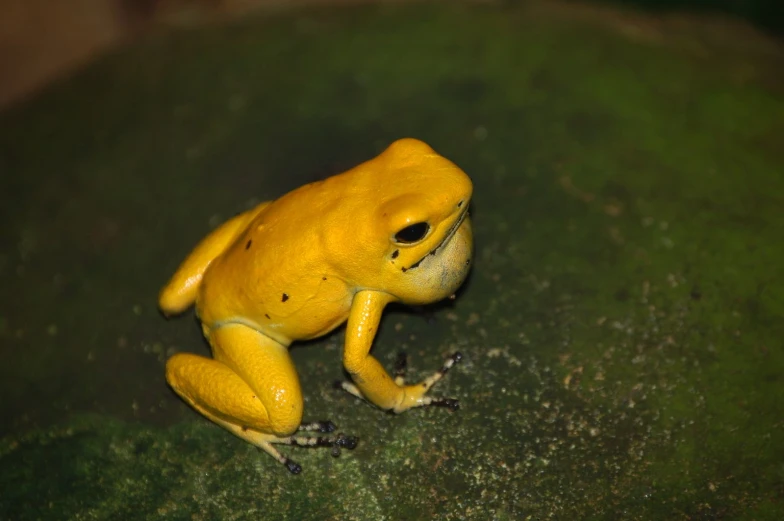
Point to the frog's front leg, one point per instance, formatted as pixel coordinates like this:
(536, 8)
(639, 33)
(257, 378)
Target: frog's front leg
(251, 389)
(371, 381)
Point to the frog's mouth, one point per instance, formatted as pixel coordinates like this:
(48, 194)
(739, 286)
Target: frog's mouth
(445, 240)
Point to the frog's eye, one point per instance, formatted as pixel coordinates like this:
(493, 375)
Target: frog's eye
(412, 233)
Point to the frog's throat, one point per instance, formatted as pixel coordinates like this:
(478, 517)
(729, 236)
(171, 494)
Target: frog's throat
(445, 240)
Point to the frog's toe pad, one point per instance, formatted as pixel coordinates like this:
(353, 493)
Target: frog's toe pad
(344, 442)
(294, 467)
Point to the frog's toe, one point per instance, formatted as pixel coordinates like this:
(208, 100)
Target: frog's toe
(349, 388)
(448, 403)
(268, 442)
(415, 395)
(438, 375)
(401, 368)
(335, 443)
(318, 426)
(451, 361)
(344, 442)
(294, 467)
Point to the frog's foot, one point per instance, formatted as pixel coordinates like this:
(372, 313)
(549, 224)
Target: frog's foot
(267, 442)
(414, 395)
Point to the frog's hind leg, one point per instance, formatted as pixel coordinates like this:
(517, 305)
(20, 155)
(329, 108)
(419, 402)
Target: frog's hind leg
(180, 292)
(251, 389)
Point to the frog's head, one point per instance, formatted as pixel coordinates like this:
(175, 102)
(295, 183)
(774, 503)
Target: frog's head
(415, 237)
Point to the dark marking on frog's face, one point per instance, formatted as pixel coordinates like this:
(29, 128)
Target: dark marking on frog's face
(284, 298)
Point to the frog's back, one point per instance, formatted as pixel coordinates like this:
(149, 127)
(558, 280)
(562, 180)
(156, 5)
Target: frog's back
(277, 276)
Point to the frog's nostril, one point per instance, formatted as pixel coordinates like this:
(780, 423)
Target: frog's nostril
(460, 204)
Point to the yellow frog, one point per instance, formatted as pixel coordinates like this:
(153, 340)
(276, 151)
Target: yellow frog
(393, 229)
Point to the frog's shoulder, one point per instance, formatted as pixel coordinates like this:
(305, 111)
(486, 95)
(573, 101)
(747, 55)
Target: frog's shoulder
(181, 290)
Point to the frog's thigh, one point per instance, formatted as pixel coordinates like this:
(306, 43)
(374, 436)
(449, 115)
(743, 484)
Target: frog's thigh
(251, 383)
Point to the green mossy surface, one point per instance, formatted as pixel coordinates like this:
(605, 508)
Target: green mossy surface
(622, 328)
(767, 14)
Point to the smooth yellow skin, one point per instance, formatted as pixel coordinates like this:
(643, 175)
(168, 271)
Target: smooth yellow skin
(298, 267)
